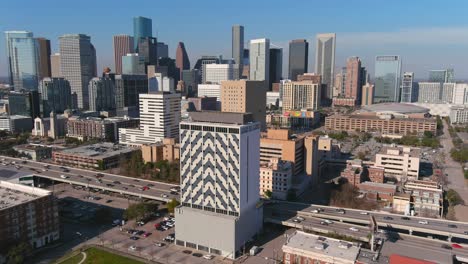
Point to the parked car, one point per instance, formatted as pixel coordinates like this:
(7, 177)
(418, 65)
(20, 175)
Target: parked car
(208, 256)
(134, 238)
(198, 255)
(147, 234)
(132, 248)
(159, 244)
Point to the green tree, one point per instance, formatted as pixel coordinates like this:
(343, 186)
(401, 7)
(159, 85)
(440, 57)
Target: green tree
(16, 254)
(140, 210)
(268, 194)
(171, 205)
(453, 198)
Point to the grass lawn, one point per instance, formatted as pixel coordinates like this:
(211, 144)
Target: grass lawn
(98, 256)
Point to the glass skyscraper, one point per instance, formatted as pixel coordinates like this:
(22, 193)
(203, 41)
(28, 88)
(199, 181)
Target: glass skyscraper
(298, 58)
(408, 88)
(23, 60)
(142, 28)
(442, 76)
(325, 60)
(387, 79)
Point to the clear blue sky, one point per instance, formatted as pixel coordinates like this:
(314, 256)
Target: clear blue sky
(427, 34)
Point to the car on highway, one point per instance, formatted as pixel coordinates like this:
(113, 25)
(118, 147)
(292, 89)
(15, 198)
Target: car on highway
(466, 232)
(456, 246)
(174, 193)
(341, 211)
(354, 229)
(116, 182)
(423, 222)
(175, 189)
(209, 257)
(164, 195)
(64, 176)
(317, 211)
(452, 226)
(150, 185)
(388, 218)
(300, 218)
(364, 213)
(323, 223)
(405, 218)
(328, 221)
(446, 246)
(145, 188)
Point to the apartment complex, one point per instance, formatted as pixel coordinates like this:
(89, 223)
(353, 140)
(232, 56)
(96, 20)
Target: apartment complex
(168, 149)
(159, 118)
(27, 214)
(399, 162)
(301, 95)
(459, 114)
(93, 127)
(99, 156)
(244, 96)
(219, 160)
(276, 177)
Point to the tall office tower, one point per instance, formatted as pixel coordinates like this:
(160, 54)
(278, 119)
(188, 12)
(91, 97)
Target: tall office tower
(448, 90)
(367, 94)
(191, 79)
(128, 88)
(353, 87)
(133, 63)
(238, 46)
(298, 58)
(408, 88)
(159, 119)
(148, 48)
(78, 65)
(23, 60)
(245, 96)
(101, 94)
(162, 50)
(215, 73)
(24, 103)
(44, 57)
(55, 65)
(429, 92)
(182, 59)
(142, 28)
(167, 66)
(123, 44)
(364, 76)
(201, 65)
(442, 76)
(301, 95)
(387, 79)
(276, 66)
(55, 96)
(339, 83)
(219, 173)
(325, 60)
(160, 83)
(460, 94)
(211, 90)
(260, 60)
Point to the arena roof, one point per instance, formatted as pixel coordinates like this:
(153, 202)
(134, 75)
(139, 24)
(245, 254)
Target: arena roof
(396, 108)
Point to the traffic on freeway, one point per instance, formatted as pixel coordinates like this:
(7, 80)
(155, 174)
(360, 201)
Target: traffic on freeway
(420, 224)
(92, 179)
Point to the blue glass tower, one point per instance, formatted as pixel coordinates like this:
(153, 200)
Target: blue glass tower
(23, 60)
(387, 79)
(142, 28)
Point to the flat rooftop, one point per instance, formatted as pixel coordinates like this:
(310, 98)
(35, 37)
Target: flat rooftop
(400, 150)
(30, 147)
(397, 118)
(99, 150)
(306, 242)
(12, 194)
(221, 117)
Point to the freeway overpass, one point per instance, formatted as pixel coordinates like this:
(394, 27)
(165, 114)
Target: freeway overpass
(418, 226)
(110, 182)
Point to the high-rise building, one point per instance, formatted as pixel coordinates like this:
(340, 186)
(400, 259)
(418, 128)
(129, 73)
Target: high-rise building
(101, 94)
(298, 58)
(55, 65)
(429, 92)
(367, 94)
(133, 63)
(182, 59)
(123, 44)
(55, 95)
(215, 73)
(245, 96)
(201, 65)
(260, 60)
(301, 95)
(147, 47)
(191, 79)
(442, 76)
(238, 46)
(353, 83)
(127, 90)
(25, 103)
(160, 83)
(325, 60)
(23, 60)
(44, 57)
(211, 90)
(276, 66)
(460, 94)
(408, 88)
(78, 65)
(142, 28)
(219, 158)
(387, 79)
(159, 119)
(339, 83)
(162, 50)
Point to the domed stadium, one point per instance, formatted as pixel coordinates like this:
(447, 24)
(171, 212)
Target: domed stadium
(395, 108)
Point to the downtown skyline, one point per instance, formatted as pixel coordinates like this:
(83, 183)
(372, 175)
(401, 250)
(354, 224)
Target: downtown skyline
(424, 44)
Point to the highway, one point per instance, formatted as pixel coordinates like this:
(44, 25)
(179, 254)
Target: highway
(387, 221)
(110, 182)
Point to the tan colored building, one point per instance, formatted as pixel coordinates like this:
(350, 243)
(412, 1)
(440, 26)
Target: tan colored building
(245, 96)
(369, 123)
(401, 203)
(367, 94)
(279, 143)
(55, 65)
(353, 172)
(381, 191)
(341, 101)
(312, 162)
(300, 95)
(168, 149)
(315, 78)
(399, 162)
(276, 177)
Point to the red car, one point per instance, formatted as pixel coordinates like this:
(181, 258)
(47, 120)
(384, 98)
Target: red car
(147, 234)
(456, 246)
(145, 188)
